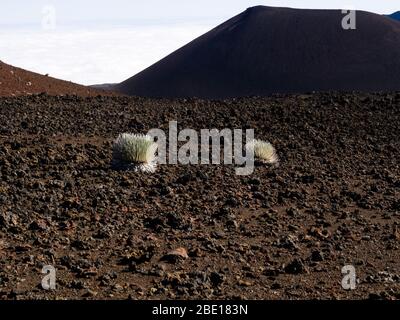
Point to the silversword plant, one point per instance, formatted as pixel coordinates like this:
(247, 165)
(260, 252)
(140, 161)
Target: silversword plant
(264, 152)
(135, 152)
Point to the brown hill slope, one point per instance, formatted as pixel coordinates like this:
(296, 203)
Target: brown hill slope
(16, 82)
(274, 50)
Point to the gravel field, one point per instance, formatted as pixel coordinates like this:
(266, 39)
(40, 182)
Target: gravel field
(281, 233)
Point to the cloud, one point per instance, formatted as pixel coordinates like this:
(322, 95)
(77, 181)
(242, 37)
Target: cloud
(95, 55)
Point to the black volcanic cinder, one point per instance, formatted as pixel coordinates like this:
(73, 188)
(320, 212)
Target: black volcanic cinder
(268, 50)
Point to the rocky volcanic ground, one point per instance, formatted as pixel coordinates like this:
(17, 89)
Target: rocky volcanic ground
(281, 233)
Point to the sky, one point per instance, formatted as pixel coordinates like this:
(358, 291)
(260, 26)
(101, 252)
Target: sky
(99, 41)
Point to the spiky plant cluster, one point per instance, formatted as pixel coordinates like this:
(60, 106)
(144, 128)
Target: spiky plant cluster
(134, 152)
(264, 151)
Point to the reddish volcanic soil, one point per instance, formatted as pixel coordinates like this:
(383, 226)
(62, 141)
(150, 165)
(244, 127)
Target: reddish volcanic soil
(16, 82)
(283, 232)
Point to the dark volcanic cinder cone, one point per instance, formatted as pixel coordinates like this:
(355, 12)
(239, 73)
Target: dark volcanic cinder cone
(268, 50)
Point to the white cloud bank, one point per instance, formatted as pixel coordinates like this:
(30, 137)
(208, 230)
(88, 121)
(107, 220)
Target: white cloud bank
(94, 56)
